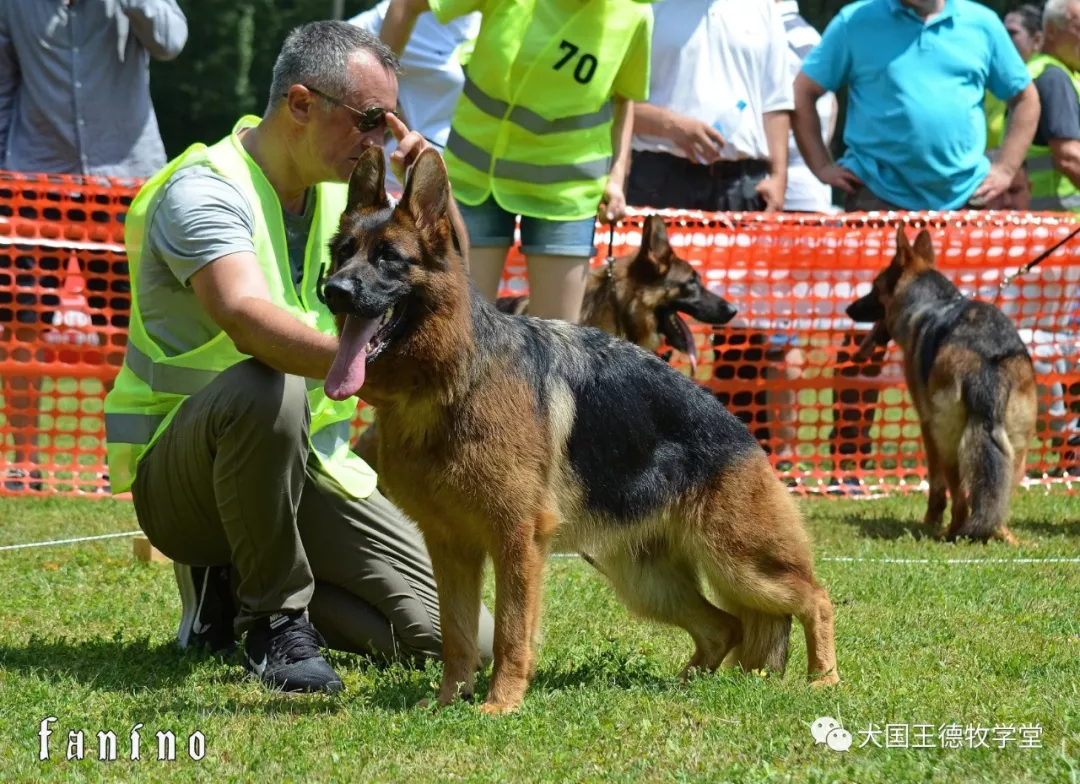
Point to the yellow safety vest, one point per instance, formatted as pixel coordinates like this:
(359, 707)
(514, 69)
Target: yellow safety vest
(1050, 189)
(995, 110)
(151, 386)
(536, 133)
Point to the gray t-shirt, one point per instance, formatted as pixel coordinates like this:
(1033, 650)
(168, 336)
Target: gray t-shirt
(199, 216)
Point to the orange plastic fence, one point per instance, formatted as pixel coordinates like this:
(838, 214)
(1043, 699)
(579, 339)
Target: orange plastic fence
(783, 365)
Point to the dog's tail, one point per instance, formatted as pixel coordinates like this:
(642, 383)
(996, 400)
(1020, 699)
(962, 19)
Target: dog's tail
(765, 641)
(985, 456)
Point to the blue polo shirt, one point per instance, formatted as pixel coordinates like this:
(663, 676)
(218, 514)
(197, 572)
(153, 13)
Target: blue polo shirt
(916, 129)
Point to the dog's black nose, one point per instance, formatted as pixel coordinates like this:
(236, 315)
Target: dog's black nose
(728, 312)
(339, 293)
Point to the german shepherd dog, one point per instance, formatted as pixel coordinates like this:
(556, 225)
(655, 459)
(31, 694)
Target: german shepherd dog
(972, 382)
(510, 437)
(641, 295)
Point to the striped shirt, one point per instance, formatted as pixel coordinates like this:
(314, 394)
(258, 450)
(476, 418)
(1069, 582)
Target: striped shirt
(805, 192)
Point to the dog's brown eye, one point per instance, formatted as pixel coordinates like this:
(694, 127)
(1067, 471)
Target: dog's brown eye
(346, 249)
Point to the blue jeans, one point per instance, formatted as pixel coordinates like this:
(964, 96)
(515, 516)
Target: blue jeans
(490, 226)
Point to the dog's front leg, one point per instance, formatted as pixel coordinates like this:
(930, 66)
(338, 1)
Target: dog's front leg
(519, 564)
(459, 573)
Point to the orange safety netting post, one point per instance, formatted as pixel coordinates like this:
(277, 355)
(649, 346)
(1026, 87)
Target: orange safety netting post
(784, 365)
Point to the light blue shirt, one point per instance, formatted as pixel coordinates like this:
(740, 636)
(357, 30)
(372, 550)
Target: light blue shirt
(915, 129)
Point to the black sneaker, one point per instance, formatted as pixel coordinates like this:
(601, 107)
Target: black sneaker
(283, 651)
(208, 608)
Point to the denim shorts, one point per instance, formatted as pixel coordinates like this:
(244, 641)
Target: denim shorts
(490, 226)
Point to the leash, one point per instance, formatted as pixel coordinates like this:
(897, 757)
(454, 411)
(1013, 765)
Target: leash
(609, 275)
(1032, 264)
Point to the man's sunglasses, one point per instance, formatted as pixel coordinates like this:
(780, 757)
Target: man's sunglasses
(366, 119)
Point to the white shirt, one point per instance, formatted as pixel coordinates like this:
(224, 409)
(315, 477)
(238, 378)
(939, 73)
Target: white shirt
(709, 57)
(804, 191)
(431, 77)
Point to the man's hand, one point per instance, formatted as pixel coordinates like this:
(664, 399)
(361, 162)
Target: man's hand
(701, 143)
(613, 203)
(409, 146)
(772, 190)
(839, 177)
(995, 183)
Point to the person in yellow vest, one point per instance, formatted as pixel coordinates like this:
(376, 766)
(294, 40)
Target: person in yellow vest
(239, 465)
(1024, 26)
(541, 131)
(1053, 160)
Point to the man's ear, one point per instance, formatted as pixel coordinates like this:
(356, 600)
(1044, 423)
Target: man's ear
(924, 248)
(427, 193)
(367, 185)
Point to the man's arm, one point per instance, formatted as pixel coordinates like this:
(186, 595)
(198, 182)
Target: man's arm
(159, 25)
(808, 137)
(9, 81)
(699, 142)
(233, 291)
(614, 199)
(1059, 121)
(1066, 153)
(772, 189)
(400, 19)
(1023, 119)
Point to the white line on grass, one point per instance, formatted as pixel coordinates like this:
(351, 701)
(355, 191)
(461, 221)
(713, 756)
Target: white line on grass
(825, 559)
(67, 541)
(950, 561)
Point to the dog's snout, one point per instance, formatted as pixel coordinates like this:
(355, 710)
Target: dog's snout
(340, 292)
(728, 312)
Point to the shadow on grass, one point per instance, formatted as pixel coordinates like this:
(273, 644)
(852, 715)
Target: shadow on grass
(887, 527)
(606, 669)
(104, 665)
(1046, 527)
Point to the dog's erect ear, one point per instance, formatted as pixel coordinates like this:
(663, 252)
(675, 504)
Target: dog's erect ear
(654, 236)
(367, 185)
(655, 248)
(904, 252)
(427, 194)
(924, 248)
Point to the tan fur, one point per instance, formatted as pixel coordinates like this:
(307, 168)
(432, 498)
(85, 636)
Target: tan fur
(493, 479)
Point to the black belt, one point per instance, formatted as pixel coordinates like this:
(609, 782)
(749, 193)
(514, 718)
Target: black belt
(721, 169)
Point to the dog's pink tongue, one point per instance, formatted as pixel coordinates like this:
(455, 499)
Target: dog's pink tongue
(691, 346)
(346, 376)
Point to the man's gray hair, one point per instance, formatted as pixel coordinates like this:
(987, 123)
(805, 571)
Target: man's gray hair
(1055, 13)
(316, 55)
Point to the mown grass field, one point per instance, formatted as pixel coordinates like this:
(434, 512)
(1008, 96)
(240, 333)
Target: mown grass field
(86, 636)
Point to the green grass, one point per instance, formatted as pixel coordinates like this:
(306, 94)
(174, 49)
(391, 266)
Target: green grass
(86, 636)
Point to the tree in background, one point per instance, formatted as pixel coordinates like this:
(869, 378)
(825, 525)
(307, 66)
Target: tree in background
(225, 68)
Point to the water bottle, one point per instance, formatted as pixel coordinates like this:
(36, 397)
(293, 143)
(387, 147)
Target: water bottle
(728, 125)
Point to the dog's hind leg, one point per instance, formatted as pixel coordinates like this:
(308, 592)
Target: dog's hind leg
(459, 573)
(935, 476)
(757, 557)
(658, 584)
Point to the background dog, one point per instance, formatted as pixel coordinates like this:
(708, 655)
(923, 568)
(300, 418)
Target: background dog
(509, 437)
(641, 296)
(971, 379)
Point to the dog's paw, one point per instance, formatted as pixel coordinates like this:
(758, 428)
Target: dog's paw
(831, 679)
(497, 708)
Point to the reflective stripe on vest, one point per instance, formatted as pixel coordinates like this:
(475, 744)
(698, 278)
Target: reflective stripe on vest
(132, 428)
(526, 172)
(530, 120)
